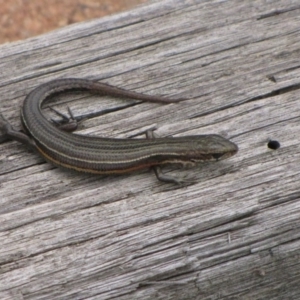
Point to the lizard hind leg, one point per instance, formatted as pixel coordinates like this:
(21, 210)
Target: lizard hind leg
(13, 134)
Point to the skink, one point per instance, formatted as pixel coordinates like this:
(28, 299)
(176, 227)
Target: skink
(107, 155)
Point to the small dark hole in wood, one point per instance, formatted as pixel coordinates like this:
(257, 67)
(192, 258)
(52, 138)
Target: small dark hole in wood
(274, 145)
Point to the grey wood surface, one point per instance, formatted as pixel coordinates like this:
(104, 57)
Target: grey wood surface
(234, 234)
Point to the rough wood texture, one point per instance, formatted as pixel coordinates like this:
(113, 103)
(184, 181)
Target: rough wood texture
(232, 235)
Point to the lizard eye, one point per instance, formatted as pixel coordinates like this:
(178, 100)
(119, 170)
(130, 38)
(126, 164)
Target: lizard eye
(217, 155)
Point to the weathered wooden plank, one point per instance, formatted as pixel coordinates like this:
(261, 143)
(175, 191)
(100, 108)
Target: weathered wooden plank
(234, 234)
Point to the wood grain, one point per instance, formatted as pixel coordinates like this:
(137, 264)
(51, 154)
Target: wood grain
(232, 235)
